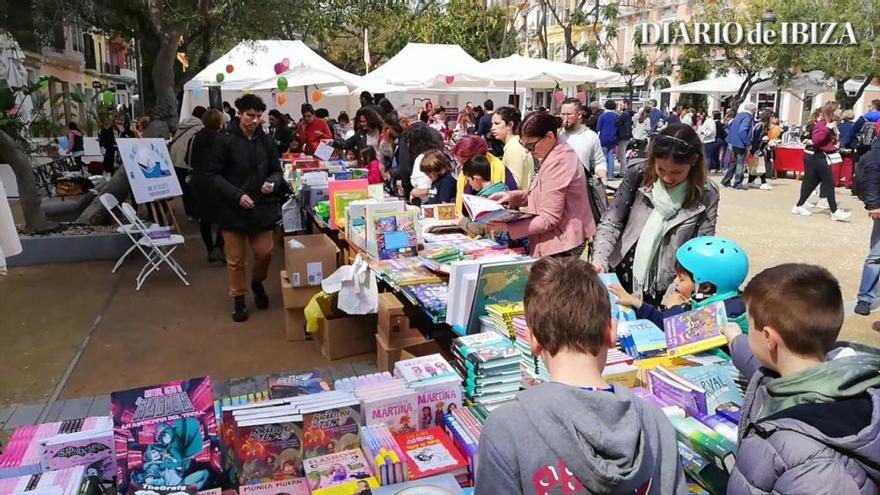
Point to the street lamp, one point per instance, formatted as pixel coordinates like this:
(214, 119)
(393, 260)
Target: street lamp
(769, 17)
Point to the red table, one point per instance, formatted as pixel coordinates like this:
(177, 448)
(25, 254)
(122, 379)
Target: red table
(788, 159)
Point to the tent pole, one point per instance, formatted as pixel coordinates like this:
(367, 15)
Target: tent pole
(306, 93)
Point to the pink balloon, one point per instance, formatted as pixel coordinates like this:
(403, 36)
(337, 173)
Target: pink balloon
(559, 96)
(450, 79)
(582, 96)
(286, 63)
(279, 68)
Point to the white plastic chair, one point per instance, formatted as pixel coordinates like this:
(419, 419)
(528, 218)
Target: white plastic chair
(111, 204)
(157, 251)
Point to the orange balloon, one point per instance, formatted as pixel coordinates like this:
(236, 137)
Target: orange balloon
(229, 69)
(317, 95)
(282, 99)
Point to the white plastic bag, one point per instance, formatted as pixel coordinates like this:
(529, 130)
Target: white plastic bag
(291, 217)
(356, 284)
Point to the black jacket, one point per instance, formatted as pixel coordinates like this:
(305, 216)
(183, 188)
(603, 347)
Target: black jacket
(107, 140)
(240, 166)
(625, 125)
(205, 198)
(871, 180)
(283, 136)
(356, 143)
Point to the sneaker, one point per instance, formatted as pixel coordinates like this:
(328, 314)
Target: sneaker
(766, 187)
(740, 187)
(823, 204)
(863, 308)
(840, 215)
(725, 184)
(239, 310)
(260, 297)
(801, 210)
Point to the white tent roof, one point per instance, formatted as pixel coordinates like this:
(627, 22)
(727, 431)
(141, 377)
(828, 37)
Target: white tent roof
(304, 75)
(718, 85)
(422, 65)
(813, 82)
(534, 73)
(254, 62)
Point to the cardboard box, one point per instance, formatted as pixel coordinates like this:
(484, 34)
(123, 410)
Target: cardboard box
(298, 297)
(295, 324)
(394, 324)
(309, 265)
(388, 354)
(346, 336)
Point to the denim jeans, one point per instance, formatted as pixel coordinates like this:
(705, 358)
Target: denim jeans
(871, 269)
(609, 159)
(710, 150)
(736, 167)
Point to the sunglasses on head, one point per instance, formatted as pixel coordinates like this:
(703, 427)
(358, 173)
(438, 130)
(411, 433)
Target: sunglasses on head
(680, 149)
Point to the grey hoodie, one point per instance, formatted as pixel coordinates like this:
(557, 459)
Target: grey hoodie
(556, 439)
(815, 432)
(179, 144)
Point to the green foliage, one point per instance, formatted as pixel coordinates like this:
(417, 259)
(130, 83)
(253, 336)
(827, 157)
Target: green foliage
(693, 69)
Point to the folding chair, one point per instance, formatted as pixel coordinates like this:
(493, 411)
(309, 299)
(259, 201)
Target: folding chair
(157, 251)
(111, 204)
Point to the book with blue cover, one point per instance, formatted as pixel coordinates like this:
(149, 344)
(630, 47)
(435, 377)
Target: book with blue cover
(641, 338)
(716, 381)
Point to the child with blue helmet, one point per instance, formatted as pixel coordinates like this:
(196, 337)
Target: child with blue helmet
(708, 270)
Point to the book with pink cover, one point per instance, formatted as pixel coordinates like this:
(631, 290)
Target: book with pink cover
(295, 486)
(350, 190)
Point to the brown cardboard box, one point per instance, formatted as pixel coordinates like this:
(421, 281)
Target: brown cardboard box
(346, 336)
(387, 354)
(295, 324)
(393, 324)
(310, 265)
(296, 297)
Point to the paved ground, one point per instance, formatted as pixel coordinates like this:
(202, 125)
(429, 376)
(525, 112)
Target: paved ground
(168, 331)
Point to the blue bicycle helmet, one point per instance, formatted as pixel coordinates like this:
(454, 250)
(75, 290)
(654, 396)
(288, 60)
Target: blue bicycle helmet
(715, 260)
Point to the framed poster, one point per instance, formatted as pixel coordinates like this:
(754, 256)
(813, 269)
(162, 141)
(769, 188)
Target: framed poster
(149, 169)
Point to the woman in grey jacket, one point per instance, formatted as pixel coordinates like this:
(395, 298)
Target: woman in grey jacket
(659, 206)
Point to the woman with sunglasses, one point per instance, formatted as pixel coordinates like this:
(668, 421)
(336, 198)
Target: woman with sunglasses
(658, 207)
(557, 195)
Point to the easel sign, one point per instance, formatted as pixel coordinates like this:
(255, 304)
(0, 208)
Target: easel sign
(151, 175)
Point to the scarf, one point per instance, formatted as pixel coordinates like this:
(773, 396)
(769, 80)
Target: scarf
(667, 202)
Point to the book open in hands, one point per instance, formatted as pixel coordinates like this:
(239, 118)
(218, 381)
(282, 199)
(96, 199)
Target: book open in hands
(483, 210)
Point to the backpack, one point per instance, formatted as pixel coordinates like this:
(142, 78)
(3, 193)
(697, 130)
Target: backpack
(867, 134)
(596, 195)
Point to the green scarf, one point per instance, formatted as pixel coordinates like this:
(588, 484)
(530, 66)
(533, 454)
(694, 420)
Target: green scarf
(667, 202)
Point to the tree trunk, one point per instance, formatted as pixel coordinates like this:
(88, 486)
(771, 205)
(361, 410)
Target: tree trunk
(95, 214)
(35, 220)
(163, 78)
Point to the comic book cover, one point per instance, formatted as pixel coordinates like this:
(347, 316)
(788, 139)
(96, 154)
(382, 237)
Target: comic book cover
(296, 486)
(432, 367)
(696, 331)
(397, 411)
(436, 399)
(93, 449)
(345, 472)
(166, 438)
(294, 384)
(431, 452)
(332, 430)
(271, 450)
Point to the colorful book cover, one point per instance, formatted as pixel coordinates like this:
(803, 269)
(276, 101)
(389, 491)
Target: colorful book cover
(395, 234)
(443, 212)
(332, 430)
(296, 486)
(498, 283)
(270, 451)
(294, 384)
(716, 381)
(341, 200)
(430, 452)
(641, 338)
(340, 473)
(337, 213)
(93, 449)
(696, 331)
(166, 437)
(705, 441)
(435, 400)
(665, 386)
(398, 412)
(431, 367)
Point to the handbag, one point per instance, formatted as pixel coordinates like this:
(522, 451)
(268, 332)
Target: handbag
(833, 158)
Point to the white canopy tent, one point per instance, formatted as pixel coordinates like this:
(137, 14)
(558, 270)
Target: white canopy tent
(517, 70)
(304, 76)
(422, 65)
(812, 82)
(724, 85)
(253, 64)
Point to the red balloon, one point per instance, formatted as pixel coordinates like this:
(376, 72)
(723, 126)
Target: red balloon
(450, 79)
(279, 68)
(559, 96)
(229, 69)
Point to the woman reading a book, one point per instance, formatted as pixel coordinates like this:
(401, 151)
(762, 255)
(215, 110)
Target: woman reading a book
(557, 195)
(659, 206)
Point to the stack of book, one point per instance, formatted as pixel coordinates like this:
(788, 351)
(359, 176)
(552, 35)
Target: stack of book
(437, 384)
(349, 384)
(431, 452)
(499, 319)
(641, 338)
(33, 449)
(390, 403)
(294, 384)
(433, 298)
(464, 426)
(401, 272)
(531, 367)
(491, 366)
(340, 473)
(67, 481)
(384, 455)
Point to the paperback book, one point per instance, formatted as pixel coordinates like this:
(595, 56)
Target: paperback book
(91, 448)
(295, 486)
(294, 384)
(717, 383)
(340, 473)
(430, 452)
(166, 437)
(498, 283)
(435, 485)
(395, 234)
(383, 454)
(696, 331)
(483, 210)
(270, 449)
(392, 404)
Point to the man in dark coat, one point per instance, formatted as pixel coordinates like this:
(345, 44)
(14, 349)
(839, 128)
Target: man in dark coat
(245, 173)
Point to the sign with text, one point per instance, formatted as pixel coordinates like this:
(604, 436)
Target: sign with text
(149, 169)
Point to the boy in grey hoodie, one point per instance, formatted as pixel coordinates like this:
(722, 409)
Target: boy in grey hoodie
(576, 434)
(811, 415)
